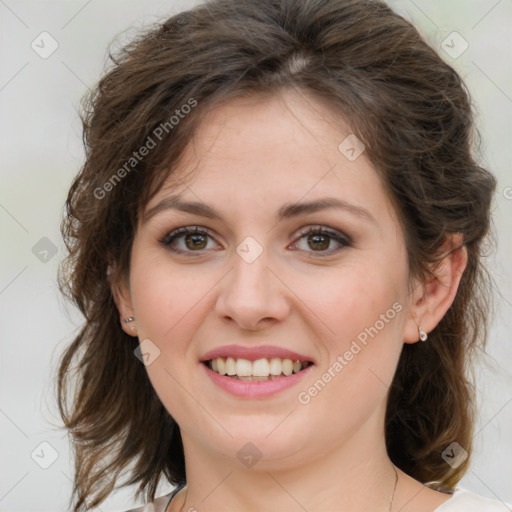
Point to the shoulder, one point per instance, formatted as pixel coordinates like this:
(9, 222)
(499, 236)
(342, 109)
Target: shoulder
(467, 501)
(159, 505)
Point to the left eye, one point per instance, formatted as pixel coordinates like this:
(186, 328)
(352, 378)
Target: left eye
(195, 239)
(319, 239)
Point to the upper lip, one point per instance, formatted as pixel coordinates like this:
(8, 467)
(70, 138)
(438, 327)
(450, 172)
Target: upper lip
(254, 353)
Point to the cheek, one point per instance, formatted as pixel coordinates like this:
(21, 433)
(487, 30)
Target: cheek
(366, 314)
(364, 310)
(165, 296)
(170, 302)
(357, 298)
(363, 307)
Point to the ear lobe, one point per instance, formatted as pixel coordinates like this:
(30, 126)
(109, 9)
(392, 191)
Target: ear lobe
(433, 299)
(120, 289)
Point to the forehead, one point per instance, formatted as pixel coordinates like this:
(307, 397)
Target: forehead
(263, 151)
(284, 127)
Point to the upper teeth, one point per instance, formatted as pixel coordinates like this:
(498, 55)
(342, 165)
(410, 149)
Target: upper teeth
(259, 368)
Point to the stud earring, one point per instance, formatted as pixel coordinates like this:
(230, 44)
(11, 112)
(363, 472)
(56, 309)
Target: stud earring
(423, 334)
(129, 319)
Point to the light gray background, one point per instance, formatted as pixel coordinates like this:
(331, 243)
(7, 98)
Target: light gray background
(41, 151)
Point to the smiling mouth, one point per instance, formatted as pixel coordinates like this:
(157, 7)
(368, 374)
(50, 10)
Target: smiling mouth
(259, 370)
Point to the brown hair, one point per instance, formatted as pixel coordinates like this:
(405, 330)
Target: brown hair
(414, 115)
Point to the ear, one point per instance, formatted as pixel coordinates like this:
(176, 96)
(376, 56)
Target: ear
(121, 293)
(431, 300)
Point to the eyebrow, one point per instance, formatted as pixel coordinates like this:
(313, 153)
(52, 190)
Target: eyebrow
(287, 211)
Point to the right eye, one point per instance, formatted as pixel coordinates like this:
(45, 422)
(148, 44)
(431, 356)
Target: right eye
(187, 239)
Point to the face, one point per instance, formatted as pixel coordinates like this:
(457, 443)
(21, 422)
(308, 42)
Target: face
(264, 277)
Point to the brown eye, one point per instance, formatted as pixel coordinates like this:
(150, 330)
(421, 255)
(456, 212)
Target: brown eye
(195, 241)
(320, 240)
(187, 240)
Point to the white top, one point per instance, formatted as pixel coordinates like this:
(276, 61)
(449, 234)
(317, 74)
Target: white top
(462, 500)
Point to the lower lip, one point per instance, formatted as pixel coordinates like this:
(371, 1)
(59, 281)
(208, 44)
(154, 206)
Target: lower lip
(255, 389)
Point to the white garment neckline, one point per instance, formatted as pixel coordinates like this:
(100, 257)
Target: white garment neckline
(464, 499)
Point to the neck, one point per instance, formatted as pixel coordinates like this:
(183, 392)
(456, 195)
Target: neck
(355, 475)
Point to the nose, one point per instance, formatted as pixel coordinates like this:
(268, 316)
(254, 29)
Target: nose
(252, 295)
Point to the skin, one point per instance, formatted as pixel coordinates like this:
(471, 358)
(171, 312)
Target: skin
(251, 156)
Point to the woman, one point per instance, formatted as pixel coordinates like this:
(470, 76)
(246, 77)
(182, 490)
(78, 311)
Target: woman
(276, 243)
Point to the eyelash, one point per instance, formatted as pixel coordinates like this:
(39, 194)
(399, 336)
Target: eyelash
(343, 240)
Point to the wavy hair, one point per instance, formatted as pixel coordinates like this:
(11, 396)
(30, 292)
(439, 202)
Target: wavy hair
(415, 117)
